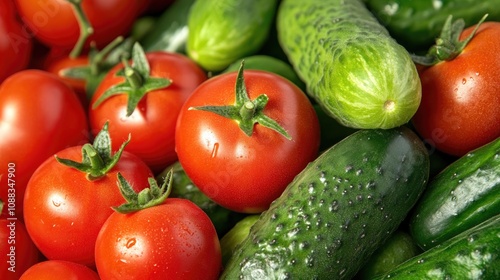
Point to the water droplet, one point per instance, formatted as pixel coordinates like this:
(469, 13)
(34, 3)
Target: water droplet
(348, 168)
(130, 243)
(464, 81)
(56, 203)
(344, 192)
(334, 206)
(359, 172)
(215, 149)
(421, 261)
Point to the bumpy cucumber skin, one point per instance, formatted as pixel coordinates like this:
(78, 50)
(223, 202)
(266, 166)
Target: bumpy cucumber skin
(337, 211)
(222, 31)
(416, 24)
(464, 194)
(473, 254)
(352, 67)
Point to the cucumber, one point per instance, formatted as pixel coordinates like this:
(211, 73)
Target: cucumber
(171, 29)
(399, 248)
(233, 238)
(350, 64)
(270, 64)
(222, 31)
(182, 187)
(464, 194)
(472, 254)
(337, 211)
(417, 24)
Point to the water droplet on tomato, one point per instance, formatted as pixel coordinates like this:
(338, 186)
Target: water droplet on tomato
(56, 203)
(464, 80)
(215, 149)
(130, 243)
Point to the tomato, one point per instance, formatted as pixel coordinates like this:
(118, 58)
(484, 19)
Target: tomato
(59, 270)
(17, 252)
(243, 172)
(39, 116)
(152, 121)
(58, 64)
(53, 22)
(173, 240)
(64, 208)
(460, 107)
(16, 43)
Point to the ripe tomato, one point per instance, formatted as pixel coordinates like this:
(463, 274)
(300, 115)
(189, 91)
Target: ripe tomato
(17, 252)
(15, 42)
(64, 210)
(53, 22)
(460, 108)
(39, 116)
(173, 240)
(152, 123)
(59, 270)
(241, 172)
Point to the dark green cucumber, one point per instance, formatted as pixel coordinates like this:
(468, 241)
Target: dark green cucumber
(222, 31)
(171, 29)
(350, 64)
(471, 255)
(417, 24)
(182, 187)
(233, 238)
(462, 195)
(399, 248)
(337, 211)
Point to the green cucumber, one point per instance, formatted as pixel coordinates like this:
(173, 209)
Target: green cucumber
(462, 195)
(350, 64)
(222, 31)
(232, 239)
(270, 64)
(472, 254)
(399, 248)
(182, 187)
(417, 24)
(337, 211)
(171, 29)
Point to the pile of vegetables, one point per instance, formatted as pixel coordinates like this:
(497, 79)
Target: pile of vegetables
(265, 139)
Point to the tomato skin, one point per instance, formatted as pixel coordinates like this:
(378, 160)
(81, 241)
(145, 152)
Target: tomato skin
(152, 124)
(16, 43)
(460, 108)
(174, 240)
(34, 106)
(59, 270)
(16, 242)
(53, 21)
(64, 211)
(242, 173)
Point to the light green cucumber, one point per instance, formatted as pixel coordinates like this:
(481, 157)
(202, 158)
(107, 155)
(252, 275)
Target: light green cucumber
(222, 31)
(350, 64)
(336, 212)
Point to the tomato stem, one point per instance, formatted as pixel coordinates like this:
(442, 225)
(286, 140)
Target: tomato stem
(86, 28)
(448, 44)
(246, 112)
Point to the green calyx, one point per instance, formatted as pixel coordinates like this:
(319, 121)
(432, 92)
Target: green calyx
(246, 112)
(100, 62)
(97, 158)
(148, 197)
(448, 46)
(137, 82)
(86, 28)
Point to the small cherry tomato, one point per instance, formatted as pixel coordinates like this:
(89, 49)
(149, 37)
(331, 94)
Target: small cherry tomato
(59, 270)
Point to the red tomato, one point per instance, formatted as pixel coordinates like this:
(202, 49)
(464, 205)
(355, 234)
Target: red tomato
(240, 172)
(173, 240)
(78, 85)
(460, 107)
(64, 211)
(152, 123)
(53, 22)
(59, 270)
(39, 116)
(17, 252)
(15, 42)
